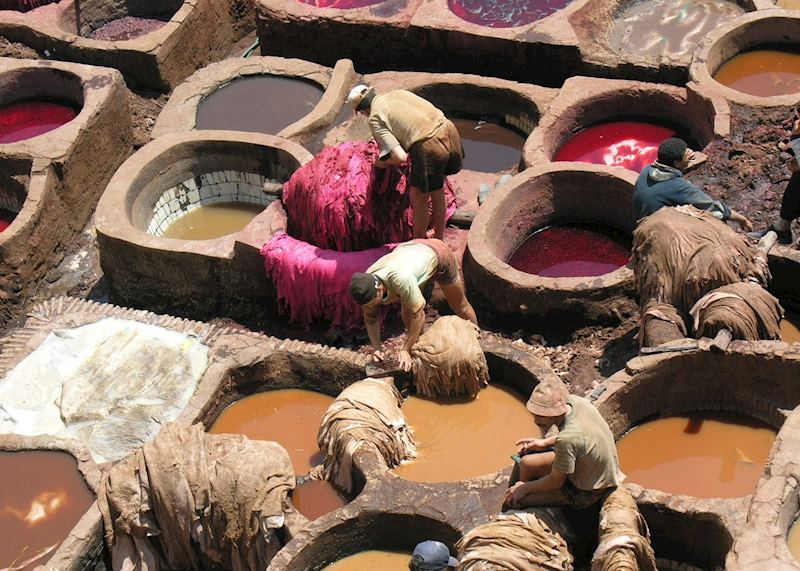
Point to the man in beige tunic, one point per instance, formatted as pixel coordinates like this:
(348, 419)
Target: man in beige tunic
(577, 466)
(406, 125)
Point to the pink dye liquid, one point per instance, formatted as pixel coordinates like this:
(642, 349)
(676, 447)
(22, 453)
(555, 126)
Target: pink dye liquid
(504, 13)
(571, 251)
(341, 4)
(6, 218)
(629, 144)
(27, 119)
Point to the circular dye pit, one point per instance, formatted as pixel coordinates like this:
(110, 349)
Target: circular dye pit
(126, 28)
(708, 455)
(212, 221)
(42, 497)
(491, 423)
(763, 73)
(6, 218)
(571, 251)
(489, 147)
(505, 13)
(629, 144)
(290, 417)
(790, 327)
(668, 27)
(373, 559)
(341, 4)
(26, 119)
(258, 104)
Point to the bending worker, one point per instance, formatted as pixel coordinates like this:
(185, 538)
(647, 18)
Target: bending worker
(576, 467)
(405, 124)
(399, 276)
(662, 184)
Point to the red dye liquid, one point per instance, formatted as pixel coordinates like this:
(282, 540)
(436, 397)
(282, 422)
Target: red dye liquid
(341, 4)
(6, 218)
(629, 144)
(27, 119)
(504, 13)
(571, 251)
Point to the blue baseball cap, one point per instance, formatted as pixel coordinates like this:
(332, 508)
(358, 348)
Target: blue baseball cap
(433, 556)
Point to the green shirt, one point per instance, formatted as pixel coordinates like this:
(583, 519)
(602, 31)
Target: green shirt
(585, 448)
(404, 271)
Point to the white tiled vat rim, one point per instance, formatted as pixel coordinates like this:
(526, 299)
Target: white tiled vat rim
(208, 188)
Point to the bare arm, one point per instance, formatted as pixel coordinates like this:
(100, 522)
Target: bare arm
(414, 322)
(536, 444)
(373, 327)
(741, 220)
(396, 156)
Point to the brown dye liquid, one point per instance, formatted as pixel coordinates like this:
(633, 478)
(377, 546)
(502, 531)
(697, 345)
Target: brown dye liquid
(788, 4)
(793, 540)
(290, 417)
(213, 221)
(763, 73)
(709, 455)
(461, 438)
(790, 327)
(42, 497)
(259, 104)
(316, 498)
(373, 560)
(489, 147)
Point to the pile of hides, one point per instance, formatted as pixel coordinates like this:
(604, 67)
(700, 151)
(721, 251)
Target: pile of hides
(681, 254)
(313, 283)
(535, 539)
(191, 500)
(366, 413)
(110, 384)
(746, 309)
(340, 201)
(448, 359)
(624, 537)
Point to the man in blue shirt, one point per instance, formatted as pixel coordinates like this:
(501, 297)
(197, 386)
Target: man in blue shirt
(662, 184)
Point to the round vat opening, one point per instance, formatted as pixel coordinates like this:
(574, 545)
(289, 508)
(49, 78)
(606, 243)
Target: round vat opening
(492, 142)
(37, 101)
(207, 189)
(790, 326)
(371, 531)
(490, 145)
(700, 454)
(665, 27)
(767, 71)
(491, 422)
(119, 21)
(258, 103)
(341, 4)
(13, 190)
(505, 13)
(684, 541)
(572, 250)
(43, 495)
(290, 417)
(628, 143)
(24, 5)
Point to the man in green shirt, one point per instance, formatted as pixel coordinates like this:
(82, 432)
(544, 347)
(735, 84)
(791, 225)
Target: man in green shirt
(406, 125)
(575, 467)
(399, 277)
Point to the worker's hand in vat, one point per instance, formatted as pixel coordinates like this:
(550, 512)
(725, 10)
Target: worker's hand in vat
(742, 221)
(515, 494)
(378, 356)
(404, 360)
(531, 445)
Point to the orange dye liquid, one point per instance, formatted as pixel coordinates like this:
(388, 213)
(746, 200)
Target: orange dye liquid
(710, 455)
(461, 438)
(377, 560)
(290, 417)
(42, 497)
(763, 73)
(790, 327)
(793, 540)
(788, 4)
(315, 498)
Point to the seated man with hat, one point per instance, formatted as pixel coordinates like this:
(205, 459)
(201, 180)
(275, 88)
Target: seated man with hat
(577, 466)
(432, 556)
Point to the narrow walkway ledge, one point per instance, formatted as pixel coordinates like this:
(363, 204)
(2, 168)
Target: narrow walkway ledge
(538, 197)
(165, 180)
(180, 112)
(195, 32)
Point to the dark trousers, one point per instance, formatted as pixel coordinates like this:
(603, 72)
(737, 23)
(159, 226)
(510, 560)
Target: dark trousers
(790, 205)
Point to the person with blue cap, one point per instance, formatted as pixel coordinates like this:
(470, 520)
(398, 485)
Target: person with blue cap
(431, 556)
